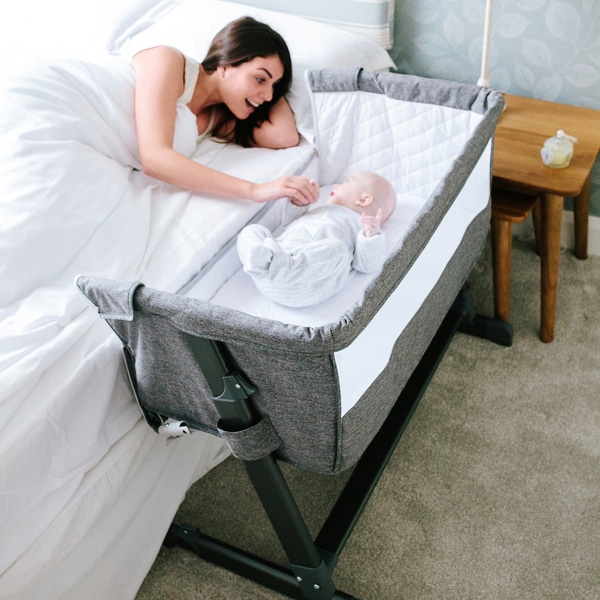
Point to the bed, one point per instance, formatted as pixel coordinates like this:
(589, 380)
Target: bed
(88, 491)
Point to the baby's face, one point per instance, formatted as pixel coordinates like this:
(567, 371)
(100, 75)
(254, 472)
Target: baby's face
(349, 192)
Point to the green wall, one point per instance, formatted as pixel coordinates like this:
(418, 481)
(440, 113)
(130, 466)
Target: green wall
(547, 49)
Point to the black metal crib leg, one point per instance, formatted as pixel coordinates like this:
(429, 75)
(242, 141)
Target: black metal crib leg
(308, 578)
(481, 326)
(310, 571)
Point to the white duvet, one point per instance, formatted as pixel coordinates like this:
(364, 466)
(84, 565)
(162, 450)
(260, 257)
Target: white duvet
(71, 201)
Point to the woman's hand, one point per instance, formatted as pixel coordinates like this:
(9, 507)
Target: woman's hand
(300, 190)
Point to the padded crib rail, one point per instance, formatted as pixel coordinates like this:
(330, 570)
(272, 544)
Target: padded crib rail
(409, 88)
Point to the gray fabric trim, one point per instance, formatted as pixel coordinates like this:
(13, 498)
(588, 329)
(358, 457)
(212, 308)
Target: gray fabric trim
(253, 443)
(113, 302)
(410, 88)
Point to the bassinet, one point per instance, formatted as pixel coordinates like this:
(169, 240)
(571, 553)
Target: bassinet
(299, 385)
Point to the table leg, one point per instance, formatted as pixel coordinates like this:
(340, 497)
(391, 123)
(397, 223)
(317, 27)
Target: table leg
(501, 259)
(536, 217)
(551, 225)
(581, 214)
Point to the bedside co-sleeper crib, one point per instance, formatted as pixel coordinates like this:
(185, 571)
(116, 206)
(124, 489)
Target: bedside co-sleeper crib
(331, 386)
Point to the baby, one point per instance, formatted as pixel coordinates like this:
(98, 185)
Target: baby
(313, 257)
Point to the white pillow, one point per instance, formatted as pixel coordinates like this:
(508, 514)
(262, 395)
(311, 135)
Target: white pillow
(190, 25)
(373, 19)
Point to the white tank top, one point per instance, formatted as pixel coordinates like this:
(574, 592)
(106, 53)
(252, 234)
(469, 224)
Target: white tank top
(186, 129)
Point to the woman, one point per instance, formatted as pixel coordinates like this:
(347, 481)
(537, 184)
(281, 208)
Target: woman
(235, 94)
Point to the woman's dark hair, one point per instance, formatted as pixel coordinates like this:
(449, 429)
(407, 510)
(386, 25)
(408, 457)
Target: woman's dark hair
(241, 41)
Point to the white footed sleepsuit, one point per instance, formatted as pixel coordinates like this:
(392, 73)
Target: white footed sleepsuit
(312, 258)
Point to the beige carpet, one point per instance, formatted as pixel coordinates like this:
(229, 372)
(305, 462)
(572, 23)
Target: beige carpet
(493, 491)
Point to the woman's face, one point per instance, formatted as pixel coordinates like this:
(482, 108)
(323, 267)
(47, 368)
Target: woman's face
(247, 86)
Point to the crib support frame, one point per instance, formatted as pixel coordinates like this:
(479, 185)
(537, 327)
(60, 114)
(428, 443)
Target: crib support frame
(488, 328)
(311, 562)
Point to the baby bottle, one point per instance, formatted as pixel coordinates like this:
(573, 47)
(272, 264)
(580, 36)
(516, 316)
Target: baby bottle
(558, 150)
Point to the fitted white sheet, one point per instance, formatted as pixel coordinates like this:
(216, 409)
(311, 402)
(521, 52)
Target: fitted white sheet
(229, 290)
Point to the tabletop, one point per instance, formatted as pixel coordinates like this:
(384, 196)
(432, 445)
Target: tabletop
(522, 129)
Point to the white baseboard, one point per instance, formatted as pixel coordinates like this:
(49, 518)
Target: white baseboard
(568, 235)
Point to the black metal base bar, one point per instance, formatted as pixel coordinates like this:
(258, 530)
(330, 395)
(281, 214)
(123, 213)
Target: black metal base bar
(490, 329)
(236, 560)
(480, 326)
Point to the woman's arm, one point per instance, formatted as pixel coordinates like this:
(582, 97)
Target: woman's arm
(159, 83)
(280, 130)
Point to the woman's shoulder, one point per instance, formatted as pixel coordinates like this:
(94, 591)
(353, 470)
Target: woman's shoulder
(160, 64)
(157, 55)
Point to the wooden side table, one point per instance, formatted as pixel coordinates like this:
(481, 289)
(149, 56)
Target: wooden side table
(522, 129)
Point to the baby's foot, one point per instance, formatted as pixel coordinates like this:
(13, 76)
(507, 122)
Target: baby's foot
(253, 252)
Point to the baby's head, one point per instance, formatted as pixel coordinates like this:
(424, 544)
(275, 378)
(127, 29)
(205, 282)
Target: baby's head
(365, 192)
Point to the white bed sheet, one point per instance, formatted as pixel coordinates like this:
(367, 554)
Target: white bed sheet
(72, 443)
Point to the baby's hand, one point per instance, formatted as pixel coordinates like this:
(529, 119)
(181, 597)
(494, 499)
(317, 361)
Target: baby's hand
(313, 188)
(371, 225)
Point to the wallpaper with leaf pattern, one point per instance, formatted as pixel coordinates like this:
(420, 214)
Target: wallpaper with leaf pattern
(547, 49)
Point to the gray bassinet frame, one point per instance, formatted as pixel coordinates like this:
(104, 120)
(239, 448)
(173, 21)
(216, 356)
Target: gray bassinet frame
(270, 389)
